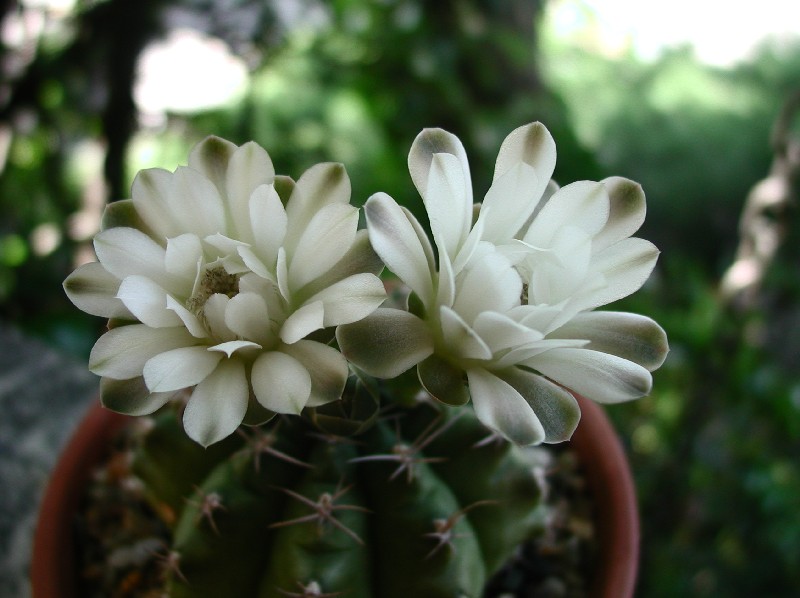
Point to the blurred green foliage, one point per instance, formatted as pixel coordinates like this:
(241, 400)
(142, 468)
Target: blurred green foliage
(715, 449)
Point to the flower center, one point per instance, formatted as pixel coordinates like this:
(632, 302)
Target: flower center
(214, 280)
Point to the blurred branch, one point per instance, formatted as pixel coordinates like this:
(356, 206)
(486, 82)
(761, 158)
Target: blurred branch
(765, 218)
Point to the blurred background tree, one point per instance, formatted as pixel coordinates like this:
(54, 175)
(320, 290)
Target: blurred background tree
(94, 90)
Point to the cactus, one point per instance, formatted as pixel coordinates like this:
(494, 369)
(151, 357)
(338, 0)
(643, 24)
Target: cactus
(416, 504)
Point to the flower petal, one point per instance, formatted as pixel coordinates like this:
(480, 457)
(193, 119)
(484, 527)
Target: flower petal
(131, 397)
(268, 222)
(420, 158)
(94, 290)
(230, 347)
(460, 338)
(249, 169)
(501, 332)
(179, 368)
(127, 251)
(198, 201)
(350, 299)
(319, 186)
(326, 239)
(148, 302)
(218, 404)
(556, 408)
(500, 407)
(530, 144)
(599, 376)
(443, 381)
(328, 369)
(122, 352)
(182, 257)
(630, 336)
(584, 204)
(281, 383)
(303, 322)
(386, 343)
(191, 321)
(214, 315)
(628, 208)
(210, 157)
(246, 315)
(151, 191)
(396, 241)
(488, 283)
(509, 203)
(449, 209)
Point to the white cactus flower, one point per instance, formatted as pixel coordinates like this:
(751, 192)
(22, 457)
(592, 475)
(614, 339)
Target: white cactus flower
(214, 277)
(507, 306)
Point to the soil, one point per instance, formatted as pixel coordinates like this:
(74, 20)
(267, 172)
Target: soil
(124, 546)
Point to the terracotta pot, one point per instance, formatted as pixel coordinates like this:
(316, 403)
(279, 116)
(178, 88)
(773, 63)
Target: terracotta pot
(53, 570)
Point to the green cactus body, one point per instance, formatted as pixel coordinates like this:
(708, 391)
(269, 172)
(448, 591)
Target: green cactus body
(411, 507)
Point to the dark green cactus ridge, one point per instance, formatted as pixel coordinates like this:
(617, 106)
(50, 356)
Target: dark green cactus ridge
(417, 503)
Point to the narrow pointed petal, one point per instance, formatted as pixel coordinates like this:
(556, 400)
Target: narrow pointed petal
(449, 209)
(179, 368)
(246, 315)
(500, 407)
(428, 143)
(281, 383)
(501, 332)
(148, 302)
(628, 209)
(598, 376)
(531, 144)
(489, 283)
(584, 205)
(131, 397)
(460, 338)
(214, 315)
(218, 404)
(446, 280)
(127, 251)
(94, 290)
(121, 353)
(386, 343)
(327, 367)
(191, 321)
(303, 322)
(395, 240)
(510, 202)
(231, 347)
(249, 168)
(556, 408)
(630, 336)
(326, 239)
(350, 299)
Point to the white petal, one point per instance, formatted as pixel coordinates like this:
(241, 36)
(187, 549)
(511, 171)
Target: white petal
(460, 339)
(210, 158)
(584, 204)
(490, 283)
(198, 201)
(319, 186)
(151, 191)
(599, 376)
(524, 354)
(446, 280)
(326, 239)
(628, 209)
(214, 314)
(218, 404)
(500, 407)
(148, 302)
(501, 332)
(254, 263)
(303, 322)
(630, 336)
(556, 408)
(509, 203)
(282, 275)
(428, 143)
(191, 321)
(131, 397)
(224, 245)
(327, 367)
(449, 209)
(281, 383)
(127, 251)
(395, 239)
(350, 299)
(94, 290)
(386, 343)
(246, 315)
(182, 256)
(250, 168)
(179, 368)
(531, 144)
(268, 222)
(230, 347)
(122, 352)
